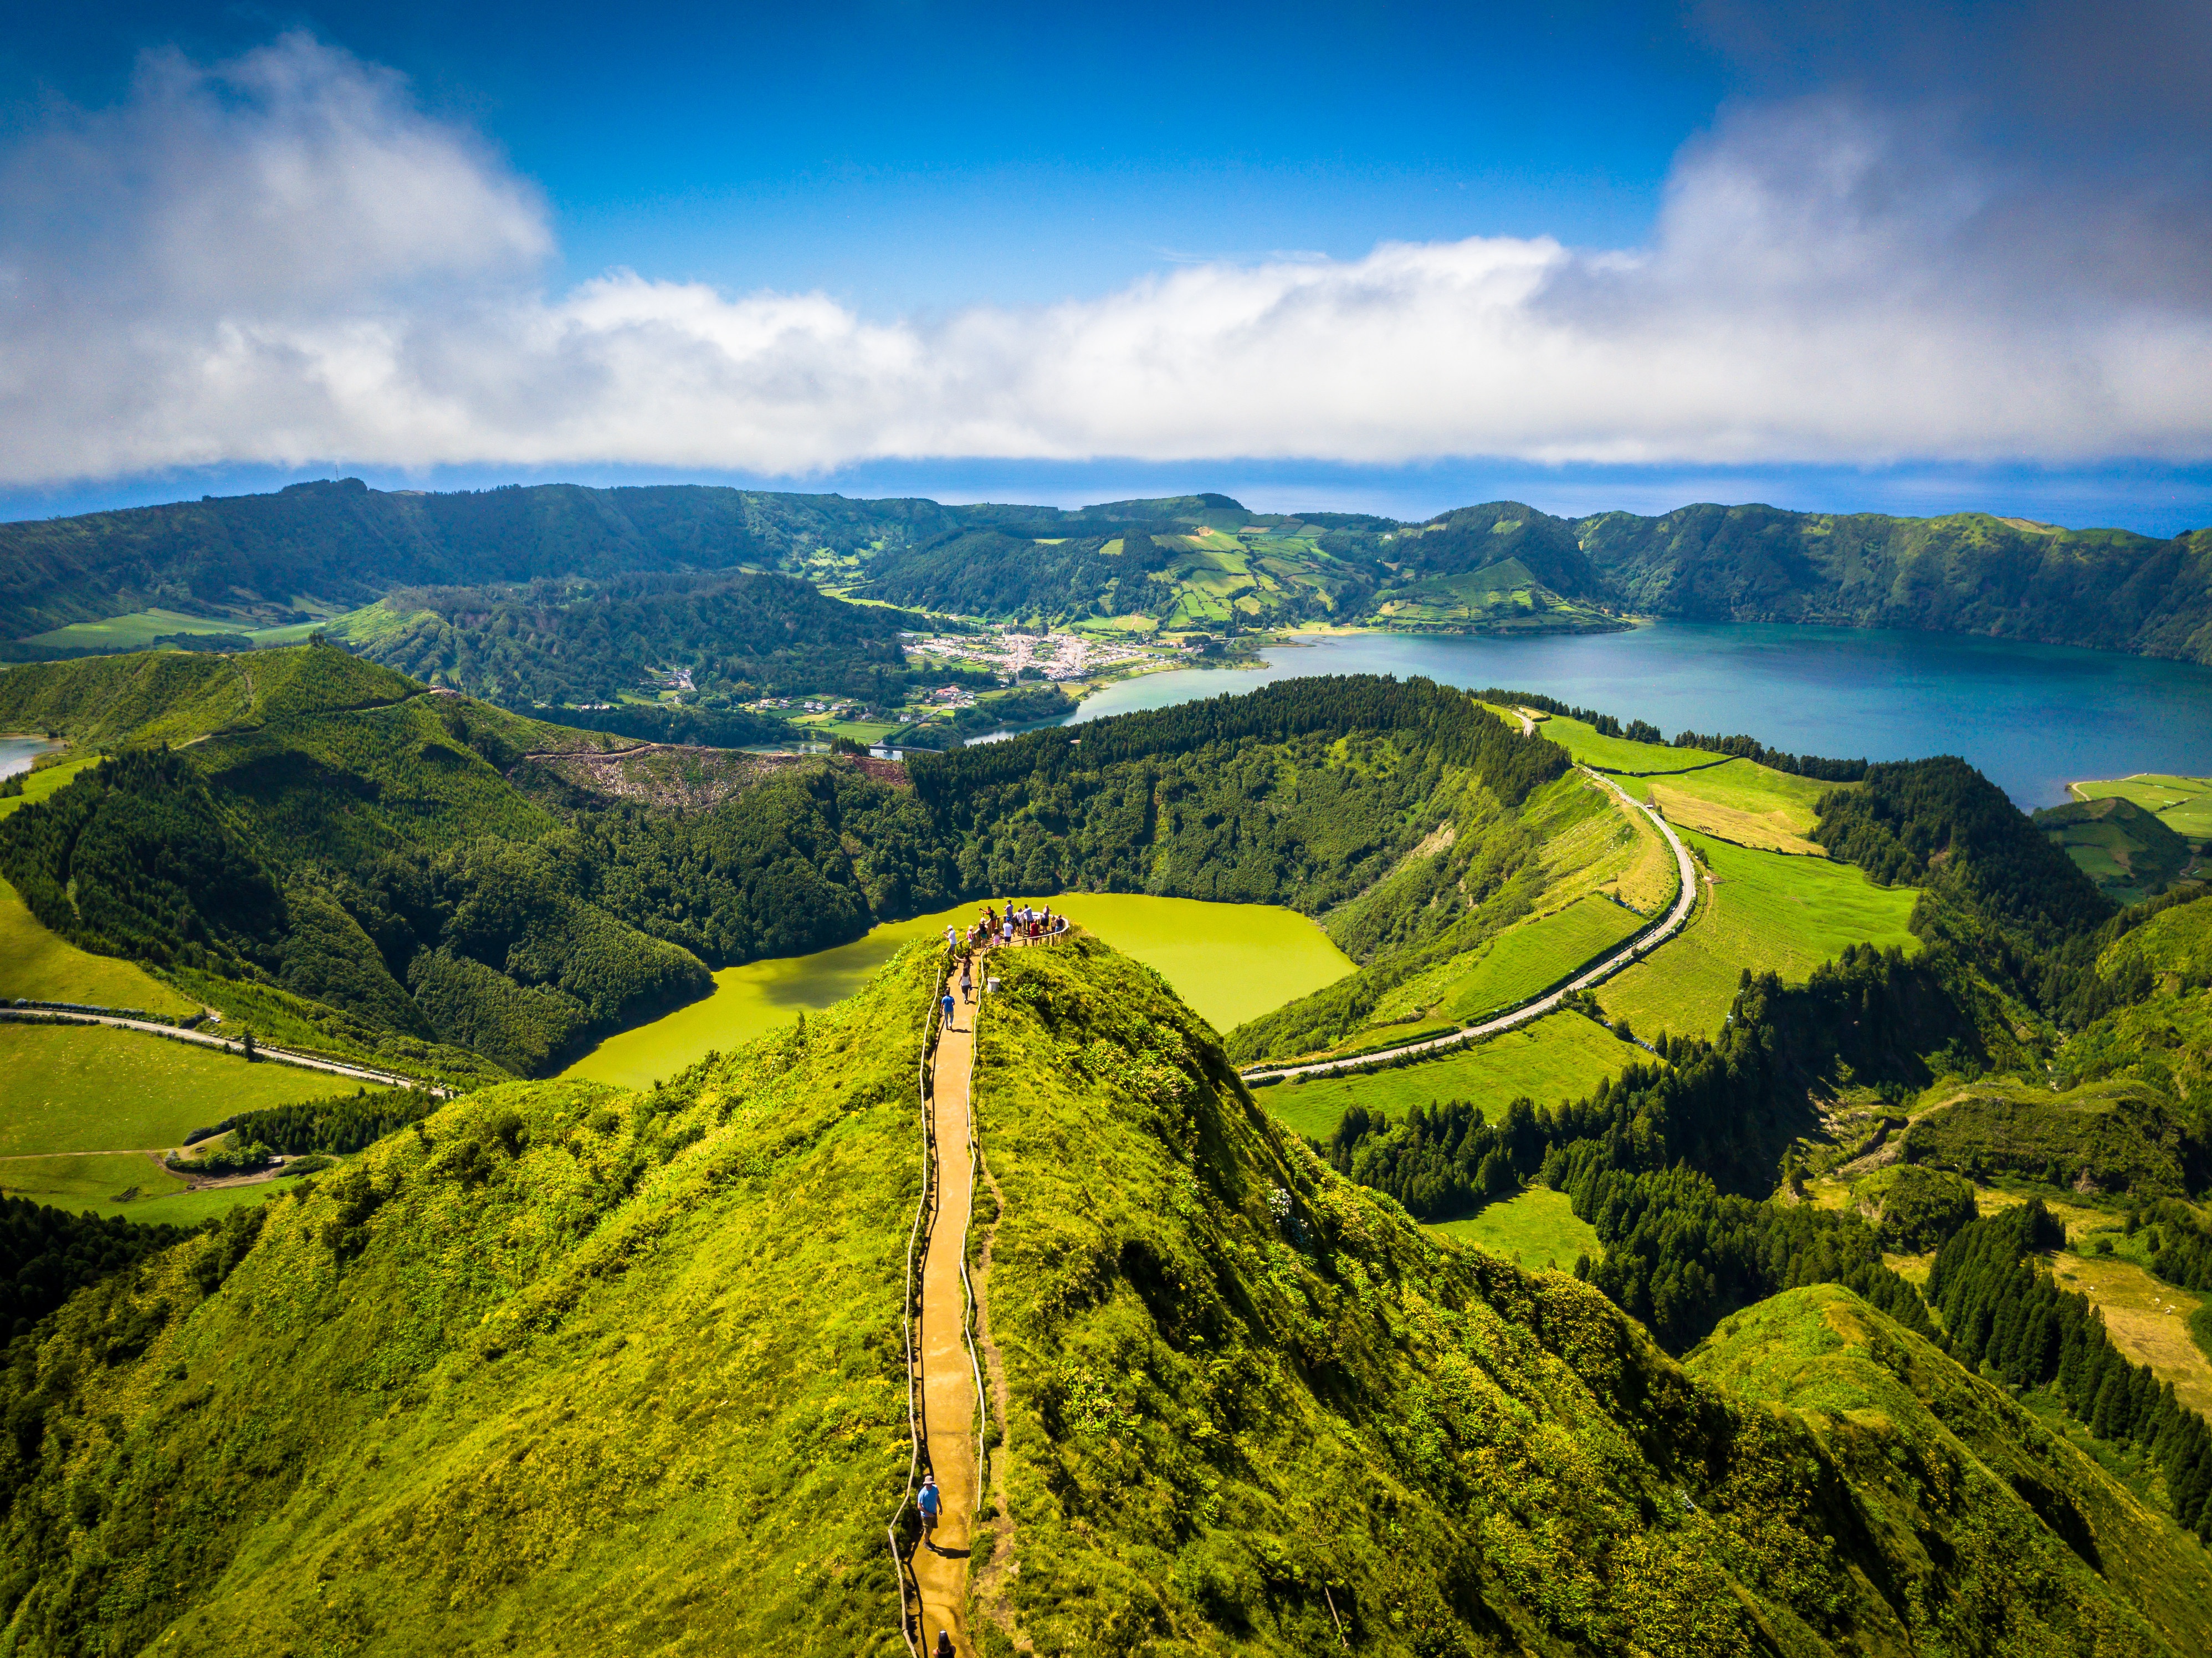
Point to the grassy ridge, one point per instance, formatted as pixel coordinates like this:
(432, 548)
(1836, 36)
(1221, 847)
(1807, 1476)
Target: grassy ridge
(619, 1373)
(622, 1367)
(1537, 953)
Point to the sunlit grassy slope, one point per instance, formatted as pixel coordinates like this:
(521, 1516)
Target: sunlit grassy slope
(1561, 1056)
(129, 1184)
(1534, 1227)
(1765, 911)
(38, 966)
(88, 1088)
(581, 1371)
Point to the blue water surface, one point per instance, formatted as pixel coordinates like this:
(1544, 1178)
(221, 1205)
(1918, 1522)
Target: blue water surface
(2032, 717)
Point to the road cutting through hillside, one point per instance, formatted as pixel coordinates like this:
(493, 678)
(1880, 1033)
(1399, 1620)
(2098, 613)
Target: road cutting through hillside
(1686, 900)
(948, 1367)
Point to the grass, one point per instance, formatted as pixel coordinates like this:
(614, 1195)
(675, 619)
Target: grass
(1229, 961)
(124, 1183)
(2184, 803)
(2146, 1319)
(1583, 741)
(624, 1374)
(1764, 911)
(1562, 1056)
(38, 966)
(1537, 1227)
(1534, 955)
(89, 1087)
(42, 783)
(1749, 803)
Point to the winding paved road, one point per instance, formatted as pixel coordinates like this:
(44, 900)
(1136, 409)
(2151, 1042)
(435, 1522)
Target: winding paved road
(1685, 901)
(262, 1050)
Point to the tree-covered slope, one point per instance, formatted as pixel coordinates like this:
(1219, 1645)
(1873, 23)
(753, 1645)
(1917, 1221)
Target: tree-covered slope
(740, 635)
(612, 1373)
(1195, 561)
(343, 542)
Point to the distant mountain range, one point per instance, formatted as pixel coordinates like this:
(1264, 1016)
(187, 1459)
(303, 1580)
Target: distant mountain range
(1192, 562)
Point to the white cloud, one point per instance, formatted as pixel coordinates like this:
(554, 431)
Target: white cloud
(282, 259)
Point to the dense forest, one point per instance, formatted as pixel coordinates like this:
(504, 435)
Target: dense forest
(739, 635)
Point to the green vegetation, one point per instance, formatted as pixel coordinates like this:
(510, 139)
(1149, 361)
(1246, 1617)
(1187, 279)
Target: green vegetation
(46, 1255)
(1591, 747)
(1536, 1228)
(90, 1088)
(611, 1356)
(1762, 912)
(1532, 957)
(242, 564)
(1914, 1210)
(2126, 849)
(36, 965)
(739, 635)
(2115, 1137)
(128, 1186)
(2184, 805)
(1556, 1057)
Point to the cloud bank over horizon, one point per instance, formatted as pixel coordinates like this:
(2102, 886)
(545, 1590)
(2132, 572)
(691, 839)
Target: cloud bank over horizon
(282, 258)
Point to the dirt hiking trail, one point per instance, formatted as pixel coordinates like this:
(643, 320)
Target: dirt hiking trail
(948, 1376)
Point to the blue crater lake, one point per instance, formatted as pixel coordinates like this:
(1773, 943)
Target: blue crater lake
(2031, 717)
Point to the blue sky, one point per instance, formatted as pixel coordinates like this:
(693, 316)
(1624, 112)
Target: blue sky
(1911, 258)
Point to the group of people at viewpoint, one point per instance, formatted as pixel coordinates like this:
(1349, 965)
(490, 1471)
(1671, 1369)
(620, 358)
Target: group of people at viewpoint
(1025, 925)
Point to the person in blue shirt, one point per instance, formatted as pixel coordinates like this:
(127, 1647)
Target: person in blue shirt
(948, 1010)
(928, 1502)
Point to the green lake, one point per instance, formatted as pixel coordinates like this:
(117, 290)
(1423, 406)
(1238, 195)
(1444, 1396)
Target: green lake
(1229, 961)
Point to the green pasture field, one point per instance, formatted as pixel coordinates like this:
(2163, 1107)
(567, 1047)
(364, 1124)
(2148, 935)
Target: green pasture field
(40, 966)
(95, 1185)
(139, 629)
(1766, 911)
(1559, 1057)
(1229, 962)
(1537, 1229)
(2184, 804)
(1618, 753)
(1747, 800)
(1534, 955)
(91, 1088)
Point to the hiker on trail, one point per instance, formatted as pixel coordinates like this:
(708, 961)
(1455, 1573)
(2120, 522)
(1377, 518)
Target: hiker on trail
(945, 1645)
(1009, 929)
(927, 1500)
(949, 1025)
(967, 981)
(951, 936)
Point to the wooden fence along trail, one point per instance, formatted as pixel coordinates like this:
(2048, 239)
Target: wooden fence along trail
(945, 1376)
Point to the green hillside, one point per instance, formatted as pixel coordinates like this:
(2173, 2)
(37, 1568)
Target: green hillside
(2125, 848)
(256, 567)
(621, 1372)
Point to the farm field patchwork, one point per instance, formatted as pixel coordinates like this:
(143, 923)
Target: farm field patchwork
(1763, 910)
(2184, 804)
(1536, 1228)
(1231, 963)
(137, 631)
(1561, 1056)
(90, 1088)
